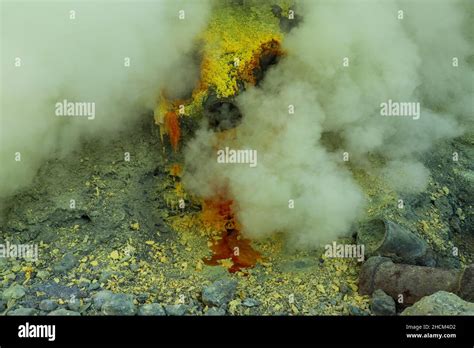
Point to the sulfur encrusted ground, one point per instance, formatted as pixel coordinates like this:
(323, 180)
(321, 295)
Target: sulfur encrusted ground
(125, 235)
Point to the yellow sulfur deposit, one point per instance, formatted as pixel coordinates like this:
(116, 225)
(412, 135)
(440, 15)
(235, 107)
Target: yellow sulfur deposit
(231, 46)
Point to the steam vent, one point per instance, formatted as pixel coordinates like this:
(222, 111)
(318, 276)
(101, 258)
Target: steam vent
(237, 158)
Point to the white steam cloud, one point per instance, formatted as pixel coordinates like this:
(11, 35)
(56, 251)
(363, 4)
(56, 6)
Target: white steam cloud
(77, 50)
(407, 59)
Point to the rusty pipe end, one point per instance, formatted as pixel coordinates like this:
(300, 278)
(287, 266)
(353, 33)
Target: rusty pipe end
(368, 272)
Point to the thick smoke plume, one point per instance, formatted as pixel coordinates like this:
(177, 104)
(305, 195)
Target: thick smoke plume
(337, 109)
(79, 51)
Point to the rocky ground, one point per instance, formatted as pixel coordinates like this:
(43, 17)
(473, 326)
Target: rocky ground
(125, 248)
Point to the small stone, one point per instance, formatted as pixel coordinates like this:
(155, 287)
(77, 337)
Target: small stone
(119, 304)
(64, 312)
(14, 292)
(94, 286)
(141, 298)
(42, 274)
(23, 312)
(48, 305)
(219, 293)
(16, 267)
(83, 282)
(176, 309)
(345, 289)
(151, 309)
(3, 263)
(74, 305)
(100, 298)
(104, 276)
(382, 304)
(354, 310)
(213, 311)
(250, 302)
(67, 263)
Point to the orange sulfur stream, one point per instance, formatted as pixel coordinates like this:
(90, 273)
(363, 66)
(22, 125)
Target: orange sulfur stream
(176, 169)
(231, 245)
(172, 128)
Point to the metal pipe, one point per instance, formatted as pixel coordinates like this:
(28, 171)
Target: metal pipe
(386, 238)
(413, 282)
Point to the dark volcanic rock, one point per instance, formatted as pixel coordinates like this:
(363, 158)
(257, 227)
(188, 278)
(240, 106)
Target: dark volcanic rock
(176, 309)
(14, 292)
(48, 305)
(382, 304)
(441, 303)
(119, 304)
(152, 309)
(219, 293)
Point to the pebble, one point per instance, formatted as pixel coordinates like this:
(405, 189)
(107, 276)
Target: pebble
(23, 311)
(94, 286)
(119, 304)
(104, 276)
(3, 263)
(219, 293)
(176, 309)
(42, 274)
(152, 309)
(74, 305)
(101, 297)
(141, 298)
(48, 305)
(213, 311)
(345, 289)
(353, 310)
(14, 292)
(64, 312)
(382, 304)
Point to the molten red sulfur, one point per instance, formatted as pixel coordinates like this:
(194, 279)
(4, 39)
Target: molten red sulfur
(173, 129)
(231, 245)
